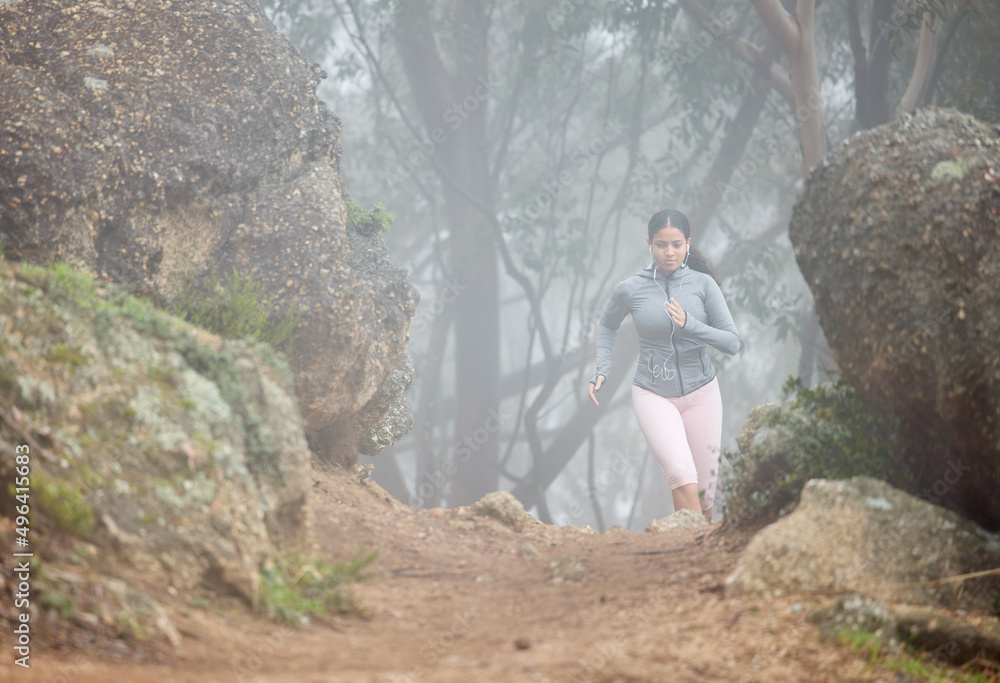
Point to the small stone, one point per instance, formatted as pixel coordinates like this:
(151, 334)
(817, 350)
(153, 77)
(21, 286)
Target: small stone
(527, 550)
(568, 567)
(682, 519)
(522, 643)
(503, 506)
(362, 472)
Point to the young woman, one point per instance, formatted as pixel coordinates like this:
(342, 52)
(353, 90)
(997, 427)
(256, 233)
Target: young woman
(679, 311)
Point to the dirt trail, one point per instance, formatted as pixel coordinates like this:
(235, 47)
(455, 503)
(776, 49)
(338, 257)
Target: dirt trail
(459, 597)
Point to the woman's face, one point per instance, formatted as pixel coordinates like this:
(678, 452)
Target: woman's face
(669, 247)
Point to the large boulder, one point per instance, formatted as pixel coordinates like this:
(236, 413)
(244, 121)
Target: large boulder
(864, 536)
(150, 143)
(898, 235)
(180, 455)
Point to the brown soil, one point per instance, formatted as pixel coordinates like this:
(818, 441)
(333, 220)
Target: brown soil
(460, 597)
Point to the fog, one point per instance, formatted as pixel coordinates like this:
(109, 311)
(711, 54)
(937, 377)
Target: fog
(522, 148)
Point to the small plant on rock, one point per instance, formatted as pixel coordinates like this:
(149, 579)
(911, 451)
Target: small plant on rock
(824, 432)
(234, 306)
(366, 222)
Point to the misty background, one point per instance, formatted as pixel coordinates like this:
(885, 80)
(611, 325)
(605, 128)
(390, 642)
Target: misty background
(522, 147)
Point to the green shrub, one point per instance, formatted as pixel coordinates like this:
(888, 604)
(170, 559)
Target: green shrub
(298, 586)
(827, 432)
(234, 306)
(378, 218)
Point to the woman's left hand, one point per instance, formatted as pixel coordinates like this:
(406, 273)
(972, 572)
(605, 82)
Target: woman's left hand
(677, 313)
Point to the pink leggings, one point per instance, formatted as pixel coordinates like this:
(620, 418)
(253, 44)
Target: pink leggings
(685, 435)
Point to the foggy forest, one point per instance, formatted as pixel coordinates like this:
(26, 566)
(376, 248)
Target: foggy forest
(521, 150)
(499, 340)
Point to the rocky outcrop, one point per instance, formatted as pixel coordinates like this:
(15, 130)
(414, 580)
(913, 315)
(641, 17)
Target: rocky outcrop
(864, 536)
(179, 455)
(898, 235)
(151, 142)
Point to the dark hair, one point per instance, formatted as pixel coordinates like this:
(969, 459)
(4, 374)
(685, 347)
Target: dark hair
(675, 219)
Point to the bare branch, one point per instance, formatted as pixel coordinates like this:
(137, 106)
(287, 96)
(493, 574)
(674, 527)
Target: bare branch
(780, 22)
(753, 54)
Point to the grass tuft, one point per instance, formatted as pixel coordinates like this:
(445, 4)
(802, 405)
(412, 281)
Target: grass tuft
(234, 306)
(299, 586)
(914, 664)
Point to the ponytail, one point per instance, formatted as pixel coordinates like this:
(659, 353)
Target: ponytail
(698, 261)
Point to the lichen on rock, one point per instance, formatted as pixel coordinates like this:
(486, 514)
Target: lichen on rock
(864, 536)
(180, 454)
(897, 233)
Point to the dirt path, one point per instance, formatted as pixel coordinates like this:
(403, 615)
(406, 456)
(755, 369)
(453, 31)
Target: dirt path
(459, 597)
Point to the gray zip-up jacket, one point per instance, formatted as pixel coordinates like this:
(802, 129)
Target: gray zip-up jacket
(673, 361)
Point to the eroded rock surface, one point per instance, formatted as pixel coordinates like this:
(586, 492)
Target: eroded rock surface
(898, 235)
(864, 536)
(179, 455)
(149, 142)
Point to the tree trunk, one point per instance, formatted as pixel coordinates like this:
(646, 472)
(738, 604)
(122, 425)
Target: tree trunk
(878, 110)
(457, 149)
(797, 36)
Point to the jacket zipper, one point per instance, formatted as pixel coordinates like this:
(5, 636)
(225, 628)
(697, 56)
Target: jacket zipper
(677, 357)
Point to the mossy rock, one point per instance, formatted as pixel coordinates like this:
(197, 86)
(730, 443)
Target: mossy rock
(142, 429)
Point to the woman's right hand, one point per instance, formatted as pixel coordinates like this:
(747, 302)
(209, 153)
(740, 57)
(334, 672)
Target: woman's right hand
(593, 389)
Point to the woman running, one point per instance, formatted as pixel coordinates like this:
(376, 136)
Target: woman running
(679, 311)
